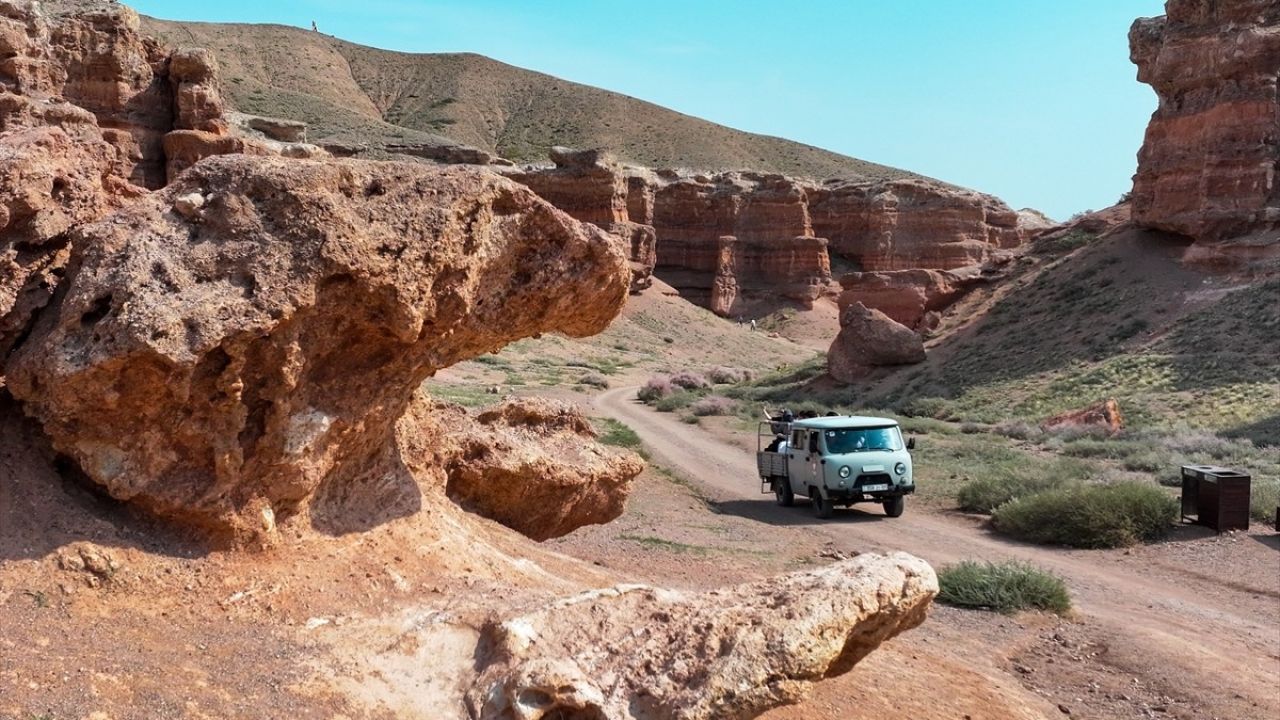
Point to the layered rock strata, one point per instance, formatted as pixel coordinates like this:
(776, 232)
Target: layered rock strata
(227, 345)
(590, 186)
(912, 224)
(739, 242)
(1208, 165)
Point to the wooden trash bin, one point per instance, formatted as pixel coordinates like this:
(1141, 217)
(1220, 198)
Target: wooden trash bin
(1215, 497)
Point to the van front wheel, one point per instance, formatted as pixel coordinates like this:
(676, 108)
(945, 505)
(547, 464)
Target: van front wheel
(893, 507)
(782, 491)
(822, 506)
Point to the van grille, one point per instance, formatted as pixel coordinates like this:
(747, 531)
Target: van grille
(875, 479)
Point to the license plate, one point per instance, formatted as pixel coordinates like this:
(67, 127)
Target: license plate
(874, 488)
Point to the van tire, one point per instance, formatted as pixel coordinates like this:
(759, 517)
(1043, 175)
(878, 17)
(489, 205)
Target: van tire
(822, 507)
(783, 493)
(894, 506)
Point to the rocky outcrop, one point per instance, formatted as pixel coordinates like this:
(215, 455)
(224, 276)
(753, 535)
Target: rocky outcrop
(197, 102)
(1104, 416)
(910, 224)
(1208, 165)
(592, 187)
(739, 242)
(230, 344)
(50, 182)
(905, 296)
(534, 466)
(279, 129)
(869, 339)
(636, 652)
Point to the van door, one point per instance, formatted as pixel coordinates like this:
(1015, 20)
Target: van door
(813, 460)
(797, 468)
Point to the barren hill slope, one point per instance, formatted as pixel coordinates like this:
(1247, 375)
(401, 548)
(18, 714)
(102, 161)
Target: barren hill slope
(354, 93)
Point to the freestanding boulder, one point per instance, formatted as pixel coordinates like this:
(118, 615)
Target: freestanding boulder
(217, 361)
(867, 339)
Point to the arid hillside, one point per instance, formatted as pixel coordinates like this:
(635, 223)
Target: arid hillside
(353, 94)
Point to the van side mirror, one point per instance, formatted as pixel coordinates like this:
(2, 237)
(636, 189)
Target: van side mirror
(911, 443)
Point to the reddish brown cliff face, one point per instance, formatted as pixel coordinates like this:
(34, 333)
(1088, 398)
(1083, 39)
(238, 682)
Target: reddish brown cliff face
(1208, 165)
(907, 224)
(591, 187)
(739, 242)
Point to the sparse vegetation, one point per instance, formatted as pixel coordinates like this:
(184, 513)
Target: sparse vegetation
(619, 434)
(1090, 516)
(713, 406)
(1005, 587)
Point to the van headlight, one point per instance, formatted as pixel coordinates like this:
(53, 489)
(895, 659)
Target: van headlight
(844, 471)
(900, 468)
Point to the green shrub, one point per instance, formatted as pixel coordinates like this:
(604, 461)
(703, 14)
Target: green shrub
(1090, 516)
(678, 400)
(619, 434)
(1018, 478)
(1264, 498)
(1005, 587)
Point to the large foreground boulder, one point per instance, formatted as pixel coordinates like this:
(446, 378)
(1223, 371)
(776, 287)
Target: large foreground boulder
(641, 653)
(868, 338)
(228, 344)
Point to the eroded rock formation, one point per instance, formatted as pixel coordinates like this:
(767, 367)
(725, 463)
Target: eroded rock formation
(1208, 166)
(905, 296)
(1104, 416)
(869, 339)
(532, 465)
(640, 653)
(735, 242)
(591, 187)
(910, 224)
(228, 344)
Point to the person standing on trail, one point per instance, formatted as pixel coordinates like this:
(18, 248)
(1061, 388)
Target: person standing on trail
(313, 27)
(753, 324)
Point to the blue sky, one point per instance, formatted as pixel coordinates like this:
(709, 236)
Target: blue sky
(1032, 100)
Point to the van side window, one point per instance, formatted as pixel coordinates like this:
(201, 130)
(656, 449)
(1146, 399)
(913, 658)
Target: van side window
(813, 442)
(797, 439)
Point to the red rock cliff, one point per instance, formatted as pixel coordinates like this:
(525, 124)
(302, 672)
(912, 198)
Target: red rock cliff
(1207, 168)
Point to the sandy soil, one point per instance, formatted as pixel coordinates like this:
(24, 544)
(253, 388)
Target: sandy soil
(1189, 628)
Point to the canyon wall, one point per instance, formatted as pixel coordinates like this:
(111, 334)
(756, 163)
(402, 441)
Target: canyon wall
(1208, 165)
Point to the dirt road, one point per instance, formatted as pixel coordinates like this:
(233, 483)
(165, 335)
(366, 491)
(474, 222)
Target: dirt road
(1213, 637)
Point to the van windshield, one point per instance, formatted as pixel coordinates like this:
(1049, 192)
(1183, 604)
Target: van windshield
(860, 439)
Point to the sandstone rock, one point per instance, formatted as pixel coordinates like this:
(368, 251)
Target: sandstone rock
(184, 148)
(1097, 222)
(905, 296)
(869, 338)
(644, 254)
(50, 182)
(908, 224)
(636, 652)
(587, 184)
(739, 242)
(290, 131)
(102, 63)
(217, 368)
(532, 465)
(448, 153)
(198, 102)
(1105, 415)
(1208, 165)
(591, 187)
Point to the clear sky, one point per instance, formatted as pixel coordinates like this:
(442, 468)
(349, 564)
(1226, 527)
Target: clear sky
(1032, 100)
